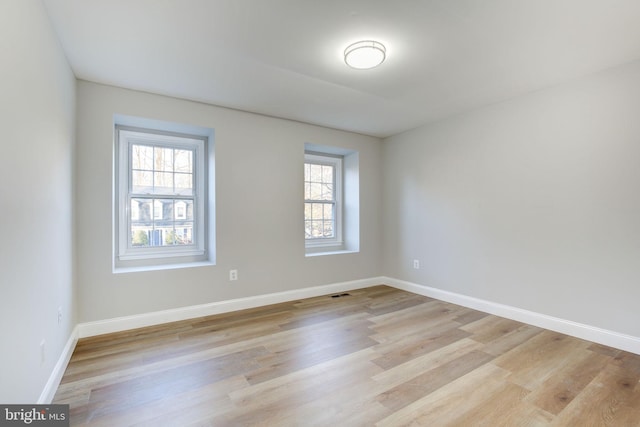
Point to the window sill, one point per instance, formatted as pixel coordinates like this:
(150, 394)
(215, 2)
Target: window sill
(159, 255)
(119, 270)
(330, 252)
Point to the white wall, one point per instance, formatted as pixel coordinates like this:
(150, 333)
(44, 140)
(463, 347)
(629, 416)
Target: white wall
(259, 196)
(532, 203)
(37, 102)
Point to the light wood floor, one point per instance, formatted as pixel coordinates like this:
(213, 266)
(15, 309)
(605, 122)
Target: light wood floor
(378, 356)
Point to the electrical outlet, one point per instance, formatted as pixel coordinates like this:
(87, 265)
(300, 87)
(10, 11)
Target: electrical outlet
(42, 354)
(233, 274)
(59, 315)
(416, 264)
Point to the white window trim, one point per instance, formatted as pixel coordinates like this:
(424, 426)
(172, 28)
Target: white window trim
(127, 256)
(335, 243)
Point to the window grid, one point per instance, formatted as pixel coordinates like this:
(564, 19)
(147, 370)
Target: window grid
(154, 169)
(168, 225)
(161, 170)
(320, 200)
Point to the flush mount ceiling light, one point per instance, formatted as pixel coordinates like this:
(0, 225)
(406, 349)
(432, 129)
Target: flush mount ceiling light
(365, 54)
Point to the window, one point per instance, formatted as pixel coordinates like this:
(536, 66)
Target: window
(331, 200)
(322, 200)
(161, 200)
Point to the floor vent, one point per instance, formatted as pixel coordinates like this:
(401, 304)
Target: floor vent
(341, 295)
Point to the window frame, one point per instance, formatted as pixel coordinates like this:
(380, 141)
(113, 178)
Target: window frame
(127, 255)
(321, 244)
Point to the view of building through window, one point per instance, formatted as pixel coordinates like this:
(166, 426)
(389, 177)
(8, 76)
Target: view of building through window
(320, 203)
(162, 196)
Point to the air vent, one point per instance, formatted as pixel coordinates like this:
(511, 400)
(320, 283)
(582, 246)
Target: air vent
(341, 295)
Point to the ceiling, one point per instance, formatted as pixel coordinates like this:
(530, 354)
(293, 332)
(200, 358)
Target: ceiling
(283, 58)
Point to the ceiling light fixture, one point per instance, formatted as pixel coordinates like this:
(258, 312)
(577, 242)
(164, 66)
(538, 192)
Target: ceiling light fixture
(365, 54)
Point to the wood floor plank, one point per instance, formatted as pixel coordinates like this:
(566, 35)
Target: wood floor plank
(391, 339)
(375, 356)
(490, 328)
(535, 361)
(147, 389)
(446, 404)
(425, 320)
(523, 415)
(494, 408)
(406, 393)
(425, 311)
(334, 397)
(404, 372)
(276, 367)
(198, 404)
(309, 383)
(91, 382)
(408, 350)
(568, 382)
(611, 399)
(390, 305)
(468, 316)
(504, 343)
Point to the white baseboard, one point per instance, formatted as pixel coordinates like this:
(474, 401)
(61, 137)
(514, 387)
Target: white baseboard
(158, 317)
(52, 384)
(568, 327)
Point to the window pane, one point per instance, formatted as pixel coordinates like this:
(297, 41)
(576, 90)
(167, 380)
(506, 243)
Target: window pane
(170, 237)
(316, 211)
(140, 236)
(178, 235)
(327, 173)
(141, 182)
(163, 159)
(327, 192)
(180, 210)
(316, 229)
(184, 184)
(315, 191)
(307, 211)
(163, 183)
(190, 210)
(141, 157)
(327, 230)
(315, 174)
(135, 210)
(183, 210)
(183, 161)
(185, 233)
(144, 210)
(328, 211)
(182, 234)
(158, 209)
